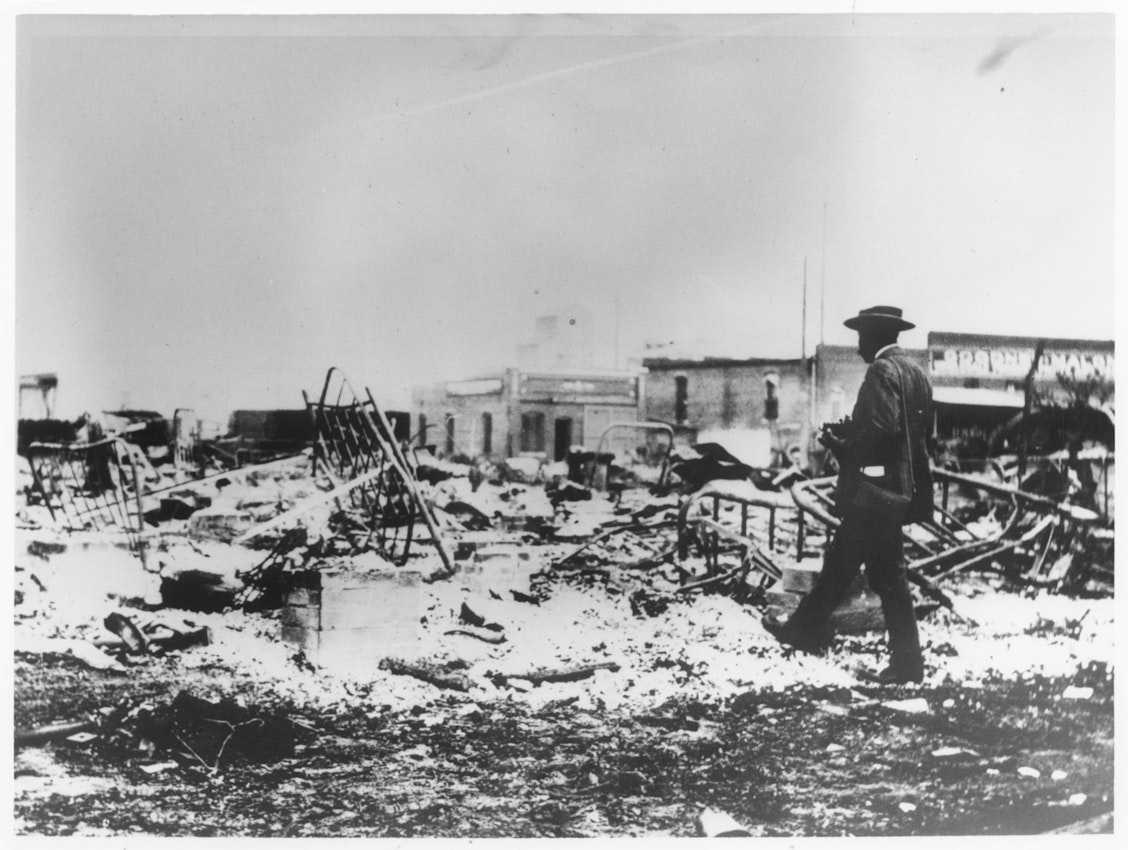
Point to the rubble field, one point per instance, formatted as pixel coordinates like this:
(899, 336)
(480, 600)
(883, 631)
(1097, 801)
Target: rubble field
(571, 678)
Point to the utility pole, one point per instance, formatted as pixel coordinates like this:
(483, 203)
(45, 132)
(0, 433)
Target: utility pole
(803, 335)
(822, 283)
(616, 331)
(1027, 403)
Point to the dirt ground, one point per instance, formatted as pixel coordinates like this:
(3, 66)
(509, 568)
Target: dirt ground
(694, 710)
(804, 761)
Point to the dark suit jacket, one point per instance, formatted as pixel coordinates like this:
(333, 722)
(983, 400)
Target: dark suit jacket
(893, 383)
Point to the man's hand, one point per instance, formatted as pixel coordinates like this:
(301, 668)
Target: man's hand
(836, 444)
(834, 436)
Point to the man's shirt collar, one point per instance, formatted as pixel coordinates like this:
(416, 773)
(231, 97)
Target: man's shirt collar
(884, 348)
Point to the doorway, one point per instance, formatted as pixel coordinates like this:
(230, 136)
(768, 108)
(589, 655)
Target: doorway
(563, 438)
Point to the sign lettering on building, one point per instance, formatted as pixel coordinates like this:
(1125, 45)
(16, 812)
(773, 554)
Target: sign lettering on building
(1014, 363)
(484, 386)
(575, 386)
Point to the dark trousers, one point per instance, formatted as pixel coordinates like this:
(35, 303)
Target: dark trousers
(881, 549)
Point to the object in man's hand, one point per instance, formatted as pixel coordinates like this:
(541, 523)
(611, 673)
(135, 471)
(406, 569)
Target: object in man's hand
(834, 435)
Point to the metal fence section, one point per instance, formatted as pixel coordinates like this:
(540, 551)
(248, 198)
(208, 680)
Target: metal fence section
(355, 442)
(1031, 536)
(714, 537)
(90, 487)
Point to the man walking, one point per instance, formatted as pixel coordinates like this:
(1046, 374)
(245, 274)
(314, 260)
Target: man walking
(884, 482)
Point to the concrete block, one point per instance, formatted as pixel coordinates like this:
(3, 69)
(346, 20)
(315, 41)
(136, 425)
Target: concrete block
(219, 525)
(302, 617)
(303, 596)
(348, 600)
(331, 581)
(357, 609)
(356, 652)
(800, 577)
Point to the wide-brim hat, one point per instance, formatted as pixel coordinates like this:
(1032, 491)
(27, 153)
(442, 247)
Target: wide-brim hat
(889, 317)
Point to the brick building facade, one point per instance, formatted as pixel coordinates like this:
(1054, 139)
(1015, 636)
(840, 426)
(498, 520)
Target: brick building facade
(764, 399)
(527, 413)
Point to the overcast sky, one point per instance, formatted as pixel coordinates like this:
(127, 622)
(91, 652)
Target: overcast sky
(211, 211)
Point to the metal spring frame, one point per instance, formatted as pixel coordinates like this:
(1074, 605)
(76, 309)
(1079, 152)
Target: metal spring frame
(354, 440)
(637, 426)
(947, 549)
(710, 532)
(90, 486)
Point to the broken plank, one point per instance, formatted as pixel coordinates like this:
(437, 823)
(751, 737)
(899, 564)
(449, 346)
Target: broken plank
(562, 674)
(426, 673)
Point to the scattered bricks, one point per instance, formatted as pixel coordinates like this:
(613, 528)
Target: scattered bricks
(492, 564)
(505, 572)
(471, 577)
(211, 524)
(511, 522)
(501, 551)
(45, 548)
(485, 544)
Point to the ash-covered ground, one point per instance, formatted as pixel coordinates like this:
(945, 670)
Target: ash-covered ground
(538, 691)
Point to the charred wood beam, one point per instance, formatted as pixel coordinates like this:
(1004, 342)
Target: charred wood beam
(427, 673)
(30, 736)
(177, 640)
(563, 674)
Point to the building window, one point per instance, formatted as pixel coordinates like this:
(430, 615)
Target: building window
(532, 432)
(681, 399)
(771, 397)
(487, 433)
(450, 433)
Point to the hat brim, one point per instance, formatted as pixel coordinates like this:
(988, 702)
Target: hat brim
(858, 322)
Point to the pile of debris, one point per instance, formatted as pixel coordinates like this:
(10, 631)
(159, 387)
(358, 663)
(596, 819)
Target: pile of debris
(364, 561)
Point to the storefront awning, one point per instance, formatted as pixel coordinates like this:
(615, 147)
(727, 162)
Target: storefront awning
(976, 397)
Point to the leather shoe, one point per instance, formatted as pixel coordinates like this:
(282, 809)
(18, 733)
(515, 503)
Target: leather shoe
(788, 635)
